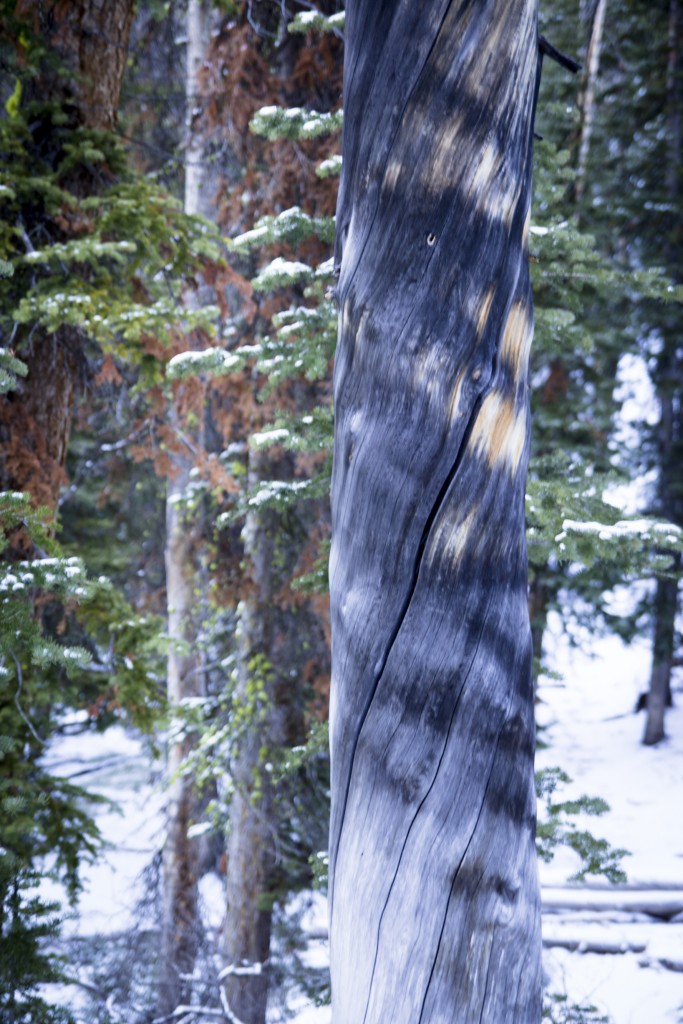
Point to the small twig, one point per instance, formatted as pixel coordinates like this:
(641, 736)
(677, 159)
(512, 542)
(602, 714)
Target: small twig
(226, 1008)
(19, 707)
(23, 234)
(105, 765)
(258, 29)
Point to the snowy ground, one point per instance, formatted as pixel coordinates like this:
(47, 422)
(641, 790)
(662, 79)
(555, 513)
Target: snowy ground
(594, 736)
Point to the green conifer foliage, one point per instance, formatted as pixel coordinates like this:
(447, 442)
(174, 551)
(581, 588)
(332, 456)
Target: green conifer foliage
(41, 815)
(93, 260)
(629, 202)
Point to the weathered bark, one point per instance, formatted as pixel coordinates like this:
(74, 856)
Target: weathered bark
(435, 908)
(587, 97)
(539, 601)
(186, 679)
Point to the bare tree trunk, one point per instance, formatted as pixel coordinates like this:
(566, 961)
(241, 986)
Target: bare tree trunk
(185, 679)
(261, 706)
(435, 905)
(250, 845)
(587, 97)
(659, 694)
(180, 926)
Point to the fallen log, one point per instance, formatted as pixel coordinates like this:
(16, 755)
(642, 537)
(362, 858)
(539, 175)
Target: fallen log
(604, 947)
(657, 903)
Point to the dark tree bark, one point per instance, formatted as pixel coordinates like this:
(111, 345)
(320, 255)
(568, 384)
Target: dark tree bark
(90, 39)
(659, 696)
(539, 601)
(435, 909)
(268, 702)
(35, 420)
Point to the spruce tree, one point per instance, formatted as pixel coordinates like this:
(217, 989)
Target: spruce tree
(92, 259)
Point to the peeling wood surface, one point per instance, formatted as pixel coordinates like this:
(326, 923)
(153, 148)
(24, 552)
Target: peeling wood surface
(435, 908)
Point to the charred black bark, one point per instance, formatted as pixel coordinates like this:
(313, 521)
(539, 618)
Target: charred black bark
(433, 884)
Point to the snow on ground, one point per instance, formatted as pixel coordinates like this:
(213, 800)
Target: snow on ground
(591, 732)
(595, 737)
(114, 765)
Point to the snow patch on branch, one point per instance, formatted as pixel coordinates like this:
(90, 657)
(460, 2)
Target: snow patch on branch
(268, 437)
(210, 360)
(279, 273)
(644, 528)
(275, 488)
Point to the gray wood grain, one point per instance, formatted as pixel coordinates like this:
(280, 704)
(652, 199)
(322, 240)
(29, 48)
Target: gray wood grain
(435, 909)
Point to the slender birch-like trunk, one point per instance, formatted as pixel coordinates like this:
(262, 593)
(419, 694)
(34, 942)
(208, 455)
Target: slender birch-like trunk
(587, 97)
(435, 908)
(180, 925)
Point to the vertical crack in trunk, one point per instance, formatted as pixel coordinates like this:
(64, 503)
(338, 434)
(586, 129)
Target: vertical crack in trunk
(432, 725)
(457, 870)
(429, 522)
(419, 808)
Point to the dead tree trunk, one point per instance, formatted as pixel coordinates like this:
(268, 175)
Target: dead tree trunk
(266, 710)
(251, 836)
(435, 907)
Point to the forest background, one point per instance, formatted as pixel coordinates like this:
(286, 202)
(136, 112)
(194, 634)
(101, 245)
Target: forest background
(167, 192)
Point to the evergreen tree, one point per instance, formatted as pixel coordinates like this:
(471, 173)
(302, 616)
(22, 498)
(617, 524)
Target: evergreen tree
(91, 254)
(626, 197)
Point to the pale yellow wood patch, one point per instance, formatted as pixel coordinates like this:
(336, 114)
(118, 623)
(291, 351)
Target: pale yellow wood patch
(484, 310)
(454, 407)
(516, 343)
(489, 163)
(499, 431)
(439, 165)
(449, 540)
